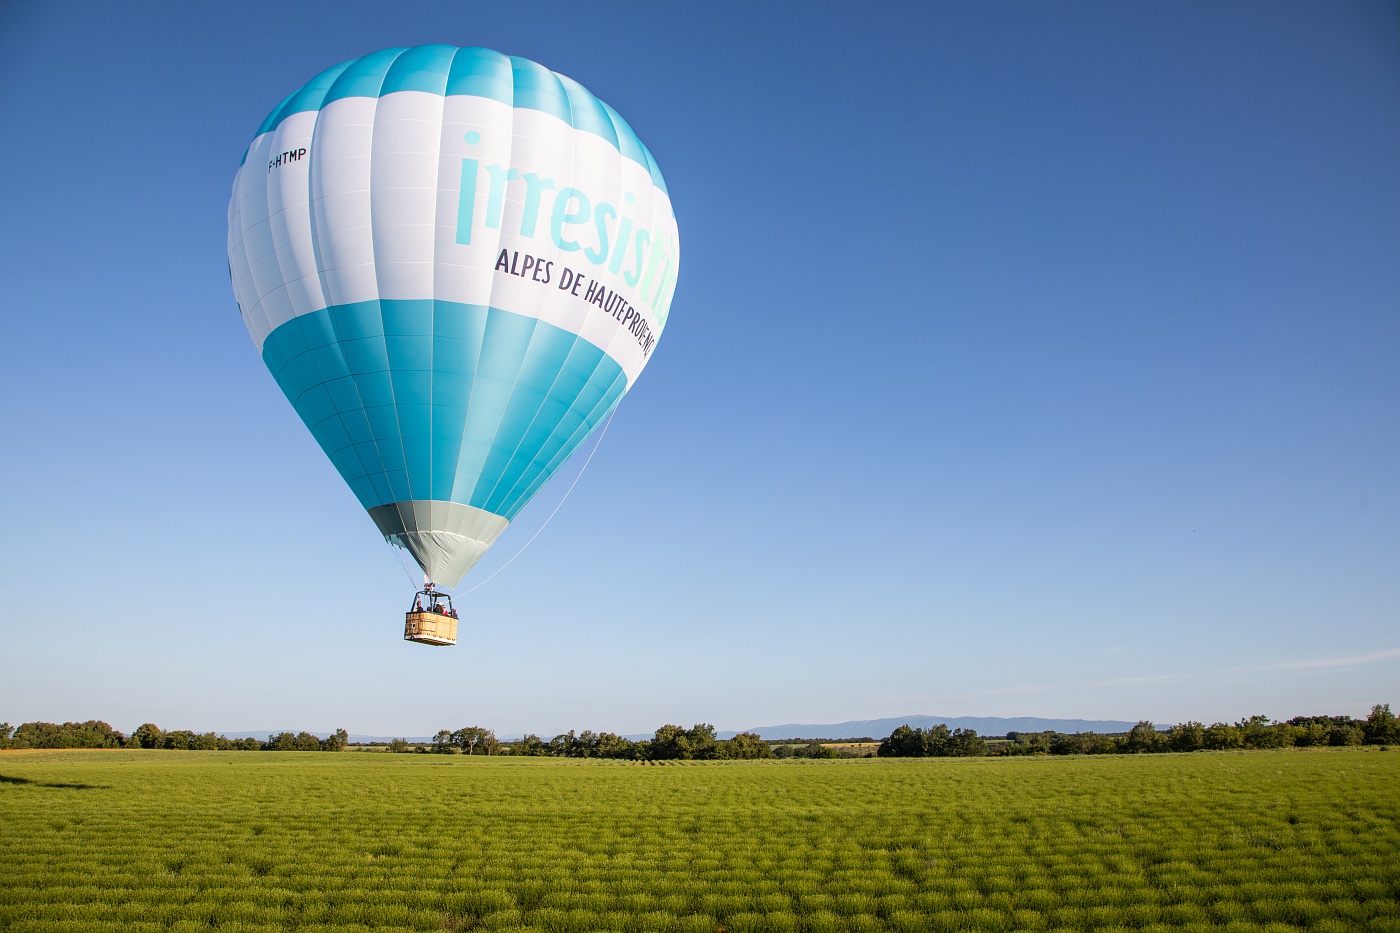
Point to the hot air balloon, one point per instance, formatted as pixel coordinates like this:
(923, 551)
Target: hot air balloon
(454, 263)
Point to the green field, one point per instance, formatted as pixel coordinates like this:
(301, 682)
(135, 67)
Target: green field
(161, 840)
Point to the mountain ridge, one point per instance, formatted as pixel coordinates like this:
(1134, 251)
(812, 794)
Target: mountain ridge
(985, 725)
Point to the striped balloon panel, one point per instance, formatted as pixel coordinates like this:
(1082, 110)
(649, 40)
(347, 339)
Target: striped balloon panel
(454, 263)
(415, 400)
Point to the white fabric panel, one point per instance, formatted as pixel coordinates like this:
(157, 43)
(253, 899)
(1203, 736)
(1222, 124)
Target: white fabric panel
(651, 210)
(403, 191)
(464, 273)
(238, 270)
(341, 201)
(446, 538)
(289, 221)
(373, 212)
(352, 283)
(543, 146)
(257, 235)
(289, 216)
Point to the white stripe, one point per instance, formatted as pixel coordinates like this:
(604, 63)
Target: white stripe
(372, 212)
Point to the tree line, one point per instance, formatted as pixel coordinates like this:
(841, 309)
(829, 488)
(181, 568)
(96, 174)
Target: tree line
(699, 742)
(669, 743)
(1381, 727)
(97, 734)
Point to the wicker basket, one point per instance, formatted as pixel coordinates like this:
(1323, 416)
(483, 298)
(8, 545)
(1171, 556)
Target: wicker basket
(430, 628)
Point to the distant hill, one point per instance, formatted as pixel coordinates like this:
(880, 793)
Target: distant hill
(985, 725)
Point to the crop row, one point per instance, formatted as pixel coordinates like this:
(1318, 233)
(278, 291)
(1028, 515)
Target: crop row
(1246, 841)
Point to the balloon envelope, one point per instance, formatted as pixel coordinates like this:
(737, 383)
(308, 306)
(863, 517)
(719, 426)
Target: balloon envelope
(454, 263)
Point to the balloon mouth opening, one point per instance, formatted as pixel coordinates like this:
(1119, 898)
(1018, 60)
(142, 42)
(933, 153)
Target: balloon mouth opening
(446, 539)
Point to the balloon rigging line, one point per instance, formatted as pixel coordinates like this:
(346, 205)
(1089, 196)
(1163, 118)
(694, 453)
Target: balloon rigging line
(601, 435)
(401, 553)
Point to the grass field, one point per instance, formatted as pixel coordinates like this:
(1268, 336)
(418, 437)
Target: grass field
(160, 840)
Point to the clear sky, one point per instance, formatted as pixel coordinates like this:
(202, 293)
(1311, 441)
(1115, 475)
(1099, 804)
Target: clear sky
(1026, 359)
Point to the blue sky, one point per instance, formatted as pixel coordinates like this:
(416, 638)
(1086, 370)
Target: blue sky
(1025, 360)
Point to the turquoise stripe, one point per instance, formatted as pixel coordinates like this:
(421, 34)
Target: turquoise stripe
(309, 96)
(535, 87)
(420, 69)
(589, 113)
(605, 389)
(364, 77)
(481, 73)
(476, 72)
(439, 400)
(627, 142)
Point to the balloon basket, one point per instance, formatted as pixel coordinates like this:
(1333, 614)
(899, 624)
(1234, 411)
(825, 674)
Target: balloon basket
(430, 628)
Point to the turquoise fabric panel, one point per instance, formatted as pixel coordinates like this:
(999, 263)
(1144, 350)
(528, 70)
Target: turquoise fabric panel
(503, 348)
(606, 386)
(439, 400)
(628, 144)
(482, 73)
(309, 96)
(364, 77)
(420, 69)
(550, 441)
(588, 112)
(538, 88)
(537, 375)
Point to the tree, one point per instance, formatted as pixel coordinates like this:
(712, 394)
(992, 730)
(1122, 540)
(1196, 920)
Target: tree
(147, 735)
(1027, 743)
(475, 740)
(1353, 734)
(965, 743)
(90, 734)
(612, 745)
(1261, 732)
(1310, 733)
(1326, 730)
(1381, 727)
(903, 742)
(747, 745)
(281, 742)
(399, 745)
(561, 746)
(5, 730)
(1084, 743)
(934, 742)
(531, 745)
(1143, 737)
(672, 742)
(306, 742)
(1187, 737)
(1220, 736)
(336, 741)
(178, 739)
(442, 743)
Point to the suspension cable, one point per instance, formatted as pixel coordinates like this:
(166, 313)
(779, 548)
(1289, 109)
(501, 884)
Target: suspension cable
(596, 445)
